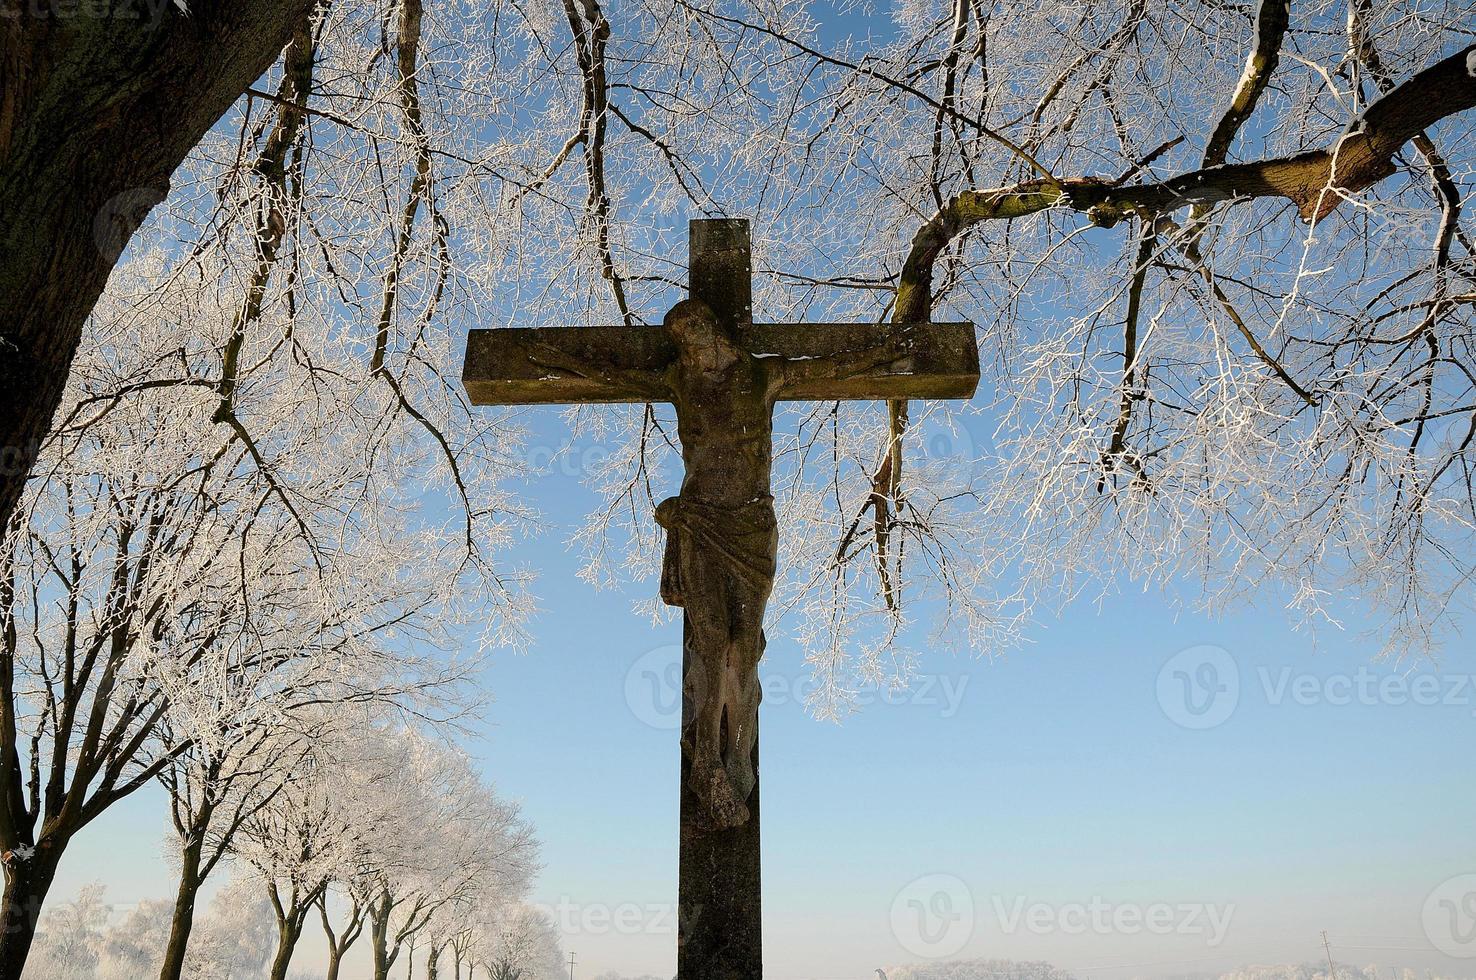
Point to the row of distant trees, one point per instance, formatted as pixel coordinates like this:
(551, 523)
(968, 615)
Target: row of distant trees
(266, 624)
(172, 616)
(88, 939)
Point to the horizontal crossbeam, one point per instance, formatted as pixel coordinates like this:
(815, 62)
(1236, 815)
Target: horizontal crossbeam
(823, 362)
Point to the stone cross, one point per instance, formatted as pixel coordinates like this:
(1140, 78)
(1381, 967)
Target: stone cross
(723, 373)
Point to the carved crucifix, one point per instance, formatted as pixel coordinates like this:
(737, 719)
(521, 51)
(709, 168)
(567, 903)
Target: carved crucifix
(724, 374)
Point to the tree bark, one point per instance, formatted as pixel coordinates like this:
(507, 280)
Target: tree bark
(379, 915)
(288, 932)
(27, 880)
(183, 919)
(339, 943)
(95, 115)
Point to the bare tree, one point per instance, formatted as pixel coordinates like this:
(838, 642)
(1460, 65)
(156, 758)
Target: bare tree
(213, 790)
(518, 942)
(292, 842)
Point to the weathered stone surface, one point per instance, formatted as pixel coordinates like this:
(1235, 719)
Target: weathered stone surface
(518, 366)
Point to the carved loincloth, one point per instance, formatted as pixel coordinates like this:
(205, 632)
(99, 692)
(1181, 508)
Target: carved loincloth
(743, 538)
(706, 543)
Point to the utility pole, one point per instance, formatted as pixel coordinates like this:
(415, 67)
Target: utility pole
(1331, 973)
(571, 966)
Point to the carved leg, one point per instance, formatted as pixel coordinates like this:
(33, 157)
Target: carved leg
(708, 687)
(744, 690)
(743, 694)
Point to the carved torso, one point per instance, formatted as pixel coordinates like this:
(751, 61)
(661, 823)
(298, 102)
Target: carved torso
(725, 420)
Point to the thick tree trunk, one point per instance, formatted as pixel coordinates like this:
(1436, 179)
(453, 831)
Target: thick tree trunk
(27, 880)
(96, 112)
(183, 919)
(433, 963)
(379, 938)
(339, 944)
(288, 932)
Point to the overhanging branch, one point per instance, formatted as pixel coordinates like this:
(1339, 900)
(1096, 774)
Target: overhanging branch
(1315, 181)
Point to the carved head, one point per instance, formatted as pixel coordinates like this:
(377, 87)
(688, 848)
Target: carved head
(702, 340)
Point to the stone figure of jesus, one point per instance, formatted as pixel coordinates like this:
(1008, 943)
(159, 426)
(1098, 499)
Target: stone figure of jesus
(721, 548)
(722, 537)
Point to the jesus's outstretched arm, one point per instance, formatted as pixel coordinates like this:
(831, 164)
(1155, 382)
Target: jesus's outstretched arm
(646, 384)
(893, 354)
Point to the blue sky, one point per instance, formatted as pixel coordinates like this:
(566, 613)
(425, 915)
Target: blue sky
(1055, 775)
(995, 808)
(1054, 779)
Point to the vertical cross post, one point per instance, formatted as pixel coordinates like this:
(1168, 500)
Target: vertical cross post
(719, 922)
